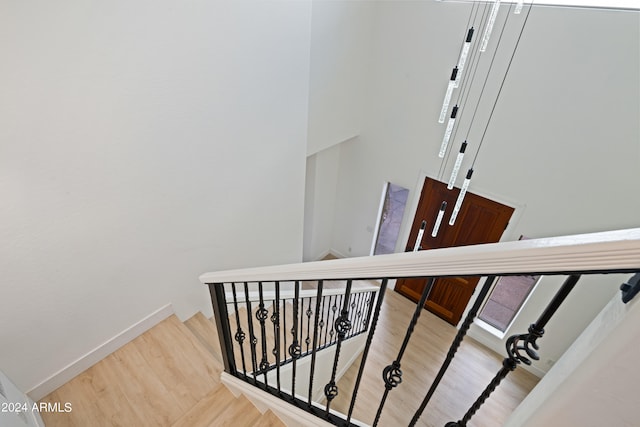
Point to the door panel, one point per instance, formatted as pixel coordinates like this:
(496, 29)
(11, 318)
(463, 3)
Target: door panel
(480, 220)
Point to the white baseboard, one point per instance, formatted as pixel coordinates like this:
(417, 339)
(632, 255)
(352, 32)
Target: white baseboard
(83, 363)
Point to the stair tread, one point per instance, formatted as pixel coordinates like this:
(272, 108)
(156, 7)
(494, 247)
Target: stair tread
(269, 419)
(241, 413)
(208, 409)
(206, 332)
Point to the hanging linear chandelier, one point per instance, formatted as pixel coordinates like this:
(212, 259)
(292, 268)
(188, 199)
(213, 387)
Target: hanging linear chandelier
(461, 80)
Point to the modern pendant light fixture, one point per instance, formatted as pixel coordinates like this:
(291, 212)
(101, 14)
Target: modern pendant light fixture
(447, 95)
(447, 132)
(463, 192)
(519, 6)
(489, 28)
(456, 166)
(466, 46)
(436, 226)
(416, 246)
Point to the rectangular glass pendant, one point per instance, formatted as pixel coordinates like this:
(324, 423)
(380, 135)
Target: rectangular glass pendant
(464, 54)
(490, 24)
(416, 246)
(447, 132)
(448, 94)
(456, 166)
(436, 226)
(463, 192)
(519, 6)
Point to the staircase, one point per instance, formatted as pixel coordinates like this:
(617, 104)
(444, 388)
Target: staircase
(168, 376)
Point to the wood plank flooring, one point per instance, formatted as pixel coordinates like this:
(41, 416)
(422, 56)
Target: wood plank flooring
(166, 377)
(469, 373)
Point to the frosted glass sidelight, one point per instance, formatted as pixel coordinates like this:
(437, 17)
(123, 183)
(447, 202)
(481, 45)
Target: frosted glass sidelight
(490, 24)
(447, 132)
(436, 226)
(463, 192)
(456, 166)
(447, 96)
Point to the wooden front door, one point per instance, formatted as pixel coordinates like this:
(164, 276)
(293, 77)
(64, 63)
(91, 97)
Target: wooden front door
(480, 220)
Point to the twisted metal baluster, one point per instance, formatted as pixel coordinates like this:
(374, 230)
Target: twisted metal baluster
(321, 324)
(372, 296)
(309, 313)
(454, 346)
(240, 335)
(294, 348)
(330, 322)
(342, 326)
(517, 344)
(262, 314)
(392, 374)
(275, 318)
(334, 308)
(365, 352)
(252, 336)
(315, 340)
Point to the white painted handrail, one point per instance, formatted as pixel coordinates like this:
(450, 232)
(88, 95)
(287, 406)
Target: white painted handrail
(611, 250)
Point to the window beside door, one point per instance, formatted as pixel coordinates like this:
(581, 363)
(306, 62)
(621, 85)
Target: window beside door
(506, 299)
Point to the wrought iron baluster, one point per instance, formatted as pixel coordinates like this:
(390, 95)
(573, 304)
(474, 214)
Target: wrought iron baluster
(334, 309)
(365, 352)
(321, 323)
(309, 313)
(518, 346)
(370, 301)
(454, 347)
(284, 327)
(342, 326)
(352, 316)
(294, 348)
(252, 336)
(240, 335)
(262, 314)
(392, 374)
(275, 319)
(329, 322)
(361, 298)
(315, 340)
(301, 324)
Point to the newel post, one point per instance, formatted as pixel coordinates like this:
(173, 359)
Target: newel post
(221, 317)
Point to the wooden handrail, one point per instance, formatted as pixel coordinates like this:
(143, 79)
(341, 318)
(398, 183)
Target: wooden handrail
(605, 251)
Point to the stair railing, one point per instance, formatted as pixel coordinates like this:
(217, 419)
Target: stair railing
(571, 256)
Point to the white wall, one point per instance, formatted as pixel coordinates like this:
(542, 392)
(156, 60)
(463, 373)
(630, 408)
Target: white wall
(142, 144)
(321, 187)
(340, 33)
(340, 45)
(563, 145)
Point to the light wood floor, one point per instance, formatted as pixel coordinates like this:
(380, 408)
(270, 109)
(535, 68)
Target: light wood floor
(165, 377)
(169, 377)
(469, 373)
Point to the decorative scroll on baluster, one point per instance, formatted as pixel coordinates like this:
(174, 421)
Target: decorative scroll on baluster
(309, 313)
(520, 348)
(315, 340)
(392, 374)
(454, 346)
(321, 322)
(252, 336)
(294, 348)
(262, 314)
(239, 335)
(342, 327)
(275, 319)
